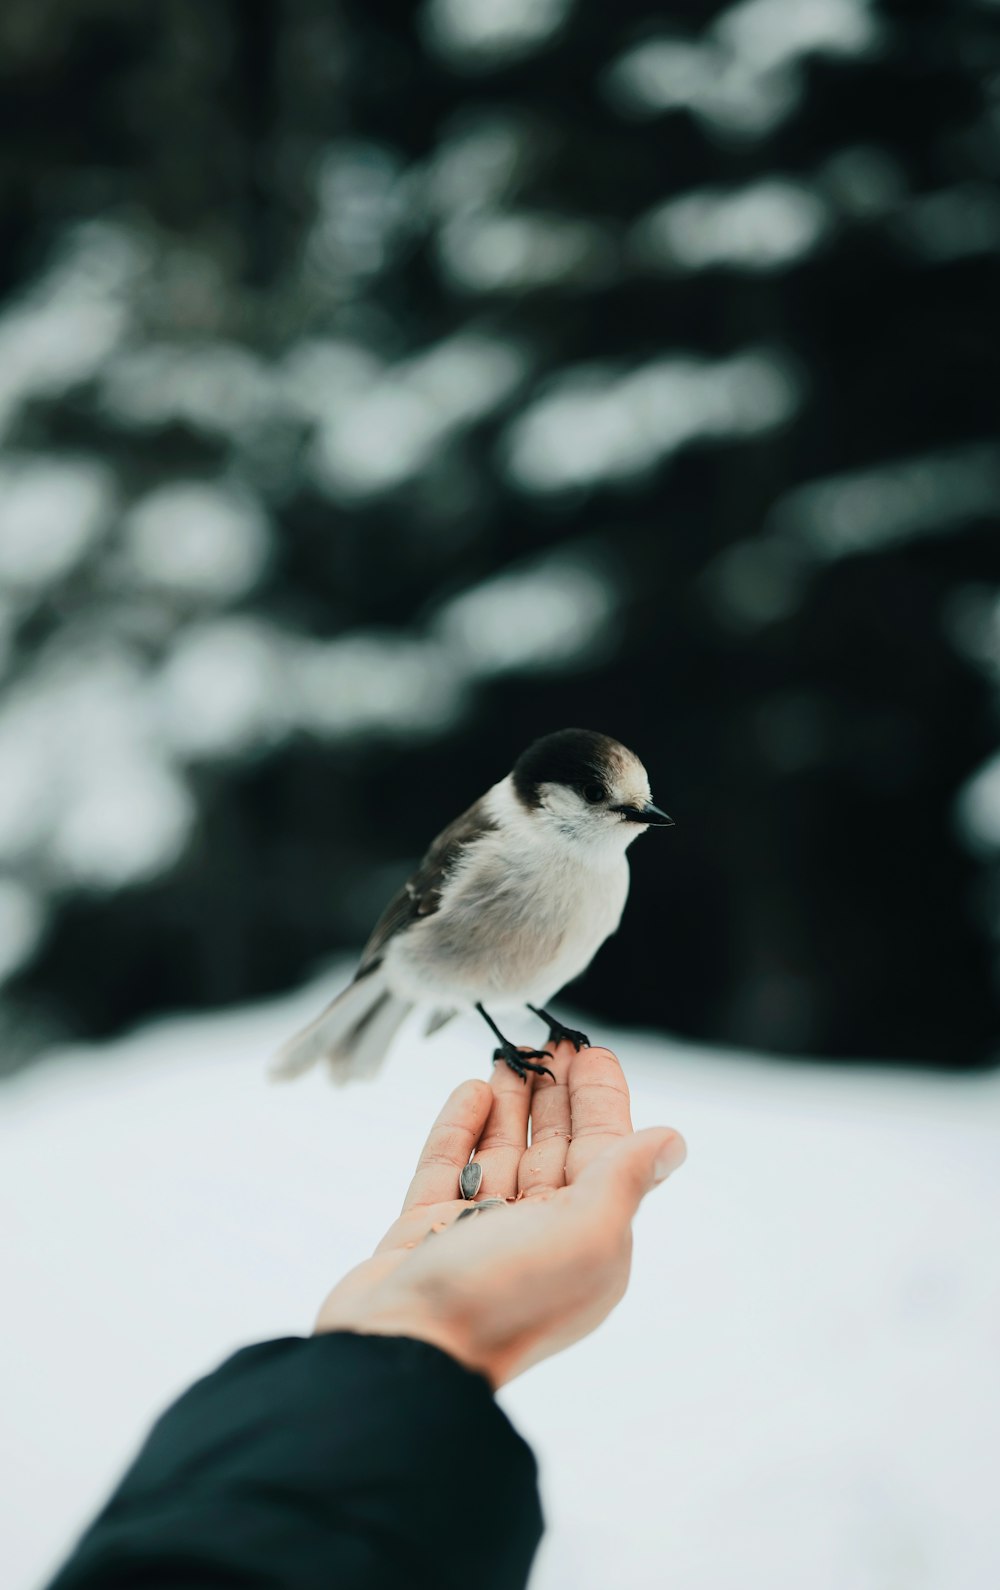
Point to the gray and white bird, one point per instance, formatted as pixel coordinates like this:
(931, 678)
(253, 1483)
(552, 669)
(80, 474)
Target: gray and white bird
(511, 902)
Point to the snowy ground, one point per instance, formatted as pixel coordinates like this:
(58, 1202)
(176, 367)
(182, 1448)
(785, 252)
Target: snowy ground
(801, 1389)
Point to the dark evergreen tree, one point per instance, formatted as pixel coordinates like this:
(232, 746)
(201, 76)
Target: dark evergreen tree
(381, 386)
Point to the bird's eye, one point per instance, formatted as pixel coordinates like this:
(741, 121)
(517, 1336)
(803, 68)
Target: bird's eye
(593, 794)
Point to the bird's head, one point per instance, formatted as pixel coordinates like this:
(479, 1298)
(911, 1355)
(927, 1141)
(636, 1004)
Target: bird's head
(588, 787)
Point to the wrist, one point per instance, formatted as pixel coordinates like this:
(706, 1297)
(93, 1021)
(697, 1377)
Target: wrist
(407, 1318)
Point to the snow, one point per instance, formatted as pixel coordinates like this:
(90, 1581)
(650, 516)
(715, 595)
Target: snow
(52, 510)
(594, 424)
(60, 333)
(505, 252)
(217, 387)
(392, 427)
(22, 922)
(469, 31)
(766, 33)
(475, 163)
(221, 690)
(765, 226)
(978, 809)
(362, 211)
(199, 538)
(801, 1387)
(865, 510)
(539, 616)
(88, 796)
(744, 76)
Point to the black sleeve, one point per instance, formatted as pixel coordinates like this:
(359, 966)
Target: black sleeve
(325, 1463)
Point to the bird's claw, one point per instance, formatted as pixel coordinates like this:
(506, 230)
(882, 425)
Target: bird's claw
(521, 1061)
(558, 1033)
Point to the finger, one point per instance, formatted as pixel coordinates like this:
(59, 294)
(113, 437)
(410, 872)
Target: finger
(452, 1139)
(543, 1165)
(505, 1135)
(616, 1183)
(599, 1107)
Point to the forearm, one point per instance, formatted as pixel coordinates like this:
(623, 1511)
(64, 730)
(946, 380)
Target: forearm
(333, 1459)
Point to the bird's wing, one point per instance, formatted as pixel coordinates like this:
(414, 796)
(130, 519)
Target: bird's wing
(421, 894)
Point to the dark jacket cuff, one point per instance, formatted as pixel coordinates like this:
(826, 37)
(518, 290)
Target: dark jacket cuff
(334, 1459)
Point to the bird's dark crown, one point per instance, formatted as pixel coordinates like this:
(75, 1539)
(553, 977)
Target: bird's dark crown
(575, 757)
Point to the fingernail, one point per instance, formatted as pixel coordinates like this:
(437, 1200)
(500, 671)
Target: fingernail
(670, 1158)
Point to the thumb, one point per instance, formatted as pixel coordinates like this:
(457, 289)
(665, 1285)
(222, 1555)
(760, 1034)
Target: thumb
(623, 1175)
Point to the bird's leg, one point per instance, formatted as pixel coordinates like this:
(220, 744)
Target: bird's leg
(560, 1034)
(521, 1061)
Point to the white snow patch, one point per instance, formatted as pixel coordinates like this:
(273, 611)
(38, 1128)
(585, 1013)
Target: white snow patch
(544, 615)
(198, 538)
(322, 377)
(374, 682)
(128, 821)
(476, 163)
(471, 32)
(235, 684)
(892, 502)
(393, 426)
(744, 75)
(770, 33)
(507, 252)
(216, 387)
(764, 226)
(65, 327)
(51, 511)
(22, 921)
(88, 796)
(595, 423)
(978, 809)
(220, 691)
(801, 1388)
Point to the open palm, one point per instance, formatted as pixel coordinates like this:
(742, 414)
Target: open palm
(518, 1282)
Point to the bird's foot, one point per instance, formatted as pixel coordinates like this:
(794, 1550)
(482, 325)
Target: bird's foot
(521, 1061)
(559, 1033)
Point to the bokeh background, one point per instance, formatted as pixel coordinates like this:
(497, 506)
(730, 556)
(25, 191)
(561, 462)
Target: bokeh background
(382, 385)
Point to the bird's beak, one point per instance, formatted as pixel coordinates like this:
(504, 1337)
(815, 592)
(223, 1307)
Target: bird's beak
(647, 813)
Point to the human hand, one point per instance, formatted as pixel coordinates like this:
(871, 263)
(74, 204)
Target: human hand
(519, 1281)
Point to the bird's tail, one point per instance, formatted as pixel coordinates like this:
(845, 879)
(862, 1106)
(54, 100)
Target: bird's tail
(353, 1033)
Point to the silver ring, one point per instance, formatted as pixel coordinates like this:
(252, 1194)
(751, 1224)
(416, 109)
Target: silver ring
(471, 1179)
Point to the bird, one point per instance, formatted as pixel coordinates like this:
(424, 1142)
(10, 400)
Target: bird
(510, 903)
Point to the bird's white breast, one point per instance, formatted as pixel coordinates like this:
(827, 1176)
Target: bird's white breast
(520, 918)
